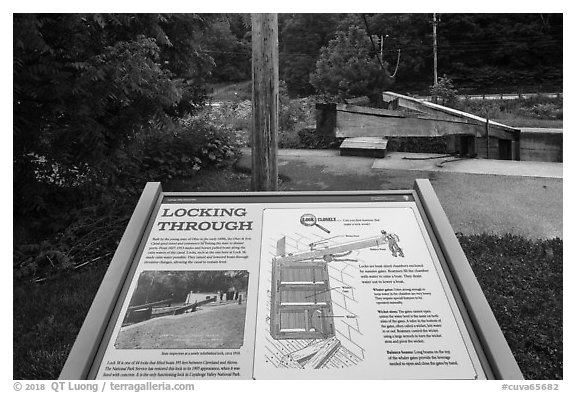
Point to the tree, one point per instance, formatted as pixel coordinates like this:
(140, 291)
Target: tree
(227, 42)
(501, 50)
(86, 84)
(445, 91)
(301, 37)
(412, 35)
(347, 68)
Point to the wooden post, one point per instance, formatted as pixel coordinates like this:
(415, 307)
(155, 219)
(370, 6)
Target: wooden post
(435, 45)
(487, 139)
(264, 102)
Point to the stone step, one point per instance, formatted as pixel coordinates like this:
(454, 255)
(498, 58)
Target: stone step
(364, 147)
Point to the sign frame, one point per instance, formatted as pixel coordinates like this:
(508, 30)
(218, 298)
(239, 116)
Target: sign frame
(493, 351)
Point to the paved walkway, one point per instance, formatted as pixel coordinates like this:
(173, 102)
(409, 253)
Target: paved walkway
(479, 196)
(428, 162)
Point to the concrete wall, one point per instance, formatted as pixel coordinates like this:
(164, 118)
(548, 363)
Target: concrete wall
(541, 146)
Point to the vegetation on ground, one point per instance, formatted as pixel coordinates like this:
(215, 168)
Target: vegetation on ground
(155, 286)
(210, 326)
(522, 281)
(532, 112)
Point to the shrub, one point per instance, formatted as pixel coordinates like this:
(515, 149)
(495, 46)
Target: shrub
(310, 139)
(182, 152)
(418, 144)
(445, 92)
(542, 110)
(534, 107)
(346, 67)
(72, 234)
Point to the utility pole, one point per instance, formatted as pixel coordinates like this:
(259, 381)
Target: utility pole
(382, 49)
(382, 39)
(435, 46)
(264, 102)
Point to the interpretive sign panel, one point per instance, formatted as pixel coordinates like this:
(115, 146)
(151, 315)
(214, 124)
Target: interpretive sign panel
(385, 294)
(288, 286)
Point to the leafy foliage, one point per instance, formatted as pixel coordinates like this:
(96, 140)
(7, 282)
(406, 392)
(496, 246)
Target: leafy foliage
(85, 86)
(513, 49)
(156, 286)
(310, 139)
(346, 67)
(535, 108)
(301, 37)
(445, 91)
(76, 236)
(228, 42)
(477, 51)
(158, 156)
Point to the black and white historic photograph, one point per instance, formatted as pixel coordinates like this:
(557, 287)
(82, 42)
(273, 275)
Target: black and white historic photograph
(212, 118)
(186, 309)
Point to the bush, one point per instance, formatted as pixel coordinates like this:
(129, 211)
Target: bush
(346, 67)
(534, 107)
(182, 152)
(444, 92)
(73, 233)
(543, 110)
(310, 139)
(292, 112)
(418, 144)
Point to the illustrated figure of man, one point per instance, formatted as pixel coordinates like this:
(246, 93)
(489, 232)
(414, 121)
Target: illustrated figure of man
(393, 240)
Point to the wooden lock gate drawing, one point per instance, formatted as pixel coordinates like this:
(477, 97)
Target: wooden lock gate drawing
(301, 306)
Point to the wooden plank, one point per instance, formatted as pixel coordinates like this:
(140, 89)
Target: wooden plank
(440, 110)
(350, 125)
(358, 100)
(306, 353)
(370, 143)
(158, 303)
(291, 316)
(368, 111)
(281, 246)
(332, 250)
(417, 105)
(364, 147)
(324, 354)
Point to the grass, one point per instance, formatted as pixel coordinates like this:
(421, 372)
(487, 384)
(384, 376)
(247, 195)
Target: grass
(47, 319)
(522, 281)
(219, 326)
(524, 122)
(535, 112)
(521, 278)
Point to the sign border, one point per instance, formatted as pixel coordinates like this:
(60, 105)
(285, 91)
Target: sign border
(493, 351)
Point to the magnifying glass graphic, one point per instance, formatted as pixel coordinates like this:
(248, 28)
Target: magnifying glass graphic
(309, 220)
